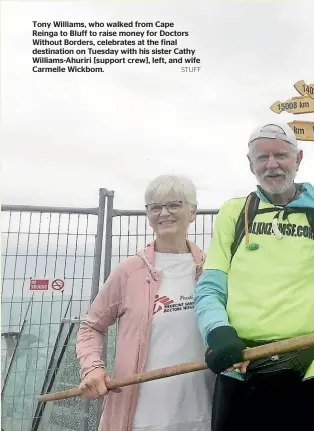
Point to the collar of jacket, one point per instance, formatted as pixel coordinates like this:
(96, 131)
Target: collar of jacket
(148, 257)
(304, 200)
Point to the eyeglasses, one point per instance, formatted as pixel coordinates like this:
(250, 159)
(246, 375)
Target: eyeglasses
(172, 207)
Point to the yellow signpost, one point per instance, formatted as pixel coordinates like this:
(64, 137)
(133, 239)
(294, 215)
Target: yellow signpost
(304, 130)
(295, 105)
(304, 89)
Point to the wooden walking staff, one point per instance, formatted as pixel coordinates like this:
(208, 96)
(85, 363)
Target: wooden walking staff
(175, 370)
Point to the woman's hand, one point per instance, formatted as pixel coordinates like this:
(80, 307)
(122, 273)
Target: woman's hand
(94, 384)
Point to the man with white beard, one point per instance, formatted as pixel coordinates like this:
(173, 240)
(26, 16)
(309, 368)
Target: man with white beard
(257, 286)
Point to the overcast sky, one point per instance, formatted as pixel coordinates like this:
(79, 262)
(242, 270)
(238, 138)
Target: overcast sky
(66, 135)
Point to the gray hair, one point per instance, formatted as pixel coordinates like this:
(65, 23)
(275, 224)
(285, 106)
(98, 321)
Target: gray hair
(164, 184)
(252, 150)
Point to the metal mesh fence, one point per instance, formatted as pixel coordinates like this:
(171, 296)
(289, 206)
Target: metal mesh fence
(41, 245)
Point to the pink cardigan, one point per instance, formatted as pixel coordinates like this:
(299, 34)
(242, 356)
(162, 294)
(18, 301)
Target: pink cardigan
(128, 294)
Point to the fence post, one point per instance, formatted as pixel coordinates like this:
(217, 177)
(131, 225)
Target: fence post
(107, 269)
(98, 243)
(108, 244)
(96, 278)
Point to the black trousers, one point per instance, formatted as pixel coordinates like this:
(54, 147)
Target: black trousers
(242, 406)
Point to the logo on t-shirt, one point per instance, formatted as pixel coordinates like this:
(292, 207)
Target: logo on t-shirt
(161, 300)
(167, 305)
(262, 228)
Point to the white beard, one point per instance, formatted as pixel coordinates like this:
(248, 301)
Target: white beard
(277, 190)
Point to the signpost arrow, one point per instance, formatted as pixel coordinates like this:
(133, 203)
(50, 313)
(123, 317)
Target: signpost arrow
(304, 130)
(305, 89)
(295, 105)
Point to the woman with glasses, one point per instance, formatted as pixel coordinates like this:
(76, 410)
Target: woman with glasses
(151, 295)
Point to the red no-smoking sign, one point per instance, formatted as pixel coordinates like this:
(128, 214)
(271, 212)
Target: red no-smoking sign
(57, 284)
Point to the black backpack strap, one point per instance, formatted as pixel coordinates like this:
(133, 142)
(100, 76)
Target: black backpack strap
(239, 229)
(308, 211)
(310, 218)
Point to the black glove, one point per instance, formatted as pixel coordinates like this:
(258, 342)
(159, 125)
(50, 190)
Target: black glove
(225, 349)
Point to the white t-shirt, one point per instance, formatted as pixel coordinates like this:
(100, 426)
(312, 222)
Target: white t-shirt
(177, 403)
